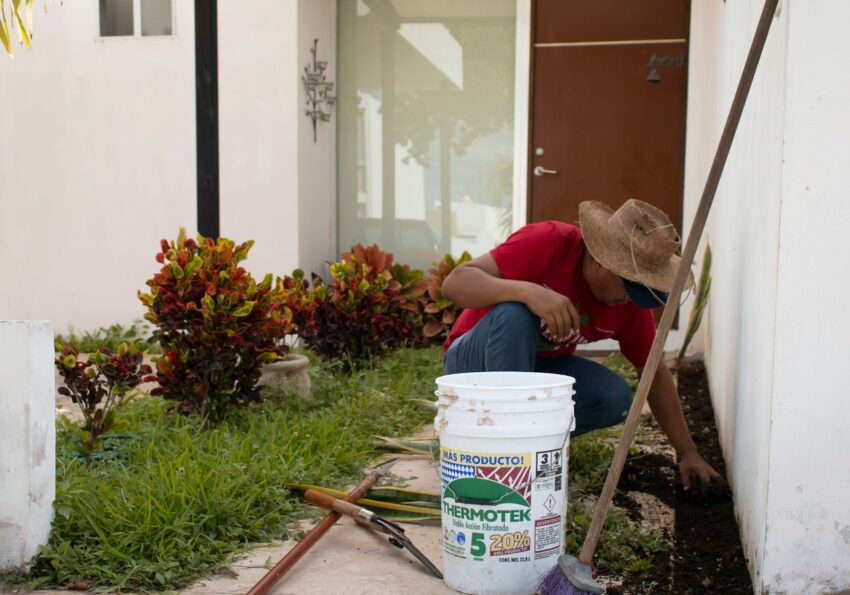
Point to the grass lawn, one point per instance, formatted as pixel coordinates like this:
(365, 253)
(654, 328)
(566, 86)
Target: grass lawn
(178, 502)
(172, 502)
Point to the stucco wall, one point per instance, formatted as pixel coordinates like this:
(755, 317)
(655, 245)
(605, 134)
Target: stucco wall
(99, 164)
(807, 546)
(27, 439)
(771, 345)
(259, 109)
(316, 160)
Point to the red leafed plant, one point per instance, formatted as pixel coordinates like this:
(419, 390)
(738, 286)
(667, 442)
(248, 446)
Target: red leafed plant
(99, 386)
(439, 313)
(216, 324)
(367, 309)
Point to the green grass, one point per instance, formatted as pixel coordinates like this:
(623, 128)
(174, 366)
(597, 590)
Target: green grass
(88, 341)
(178, 502)
(623, 545)
(174, 502)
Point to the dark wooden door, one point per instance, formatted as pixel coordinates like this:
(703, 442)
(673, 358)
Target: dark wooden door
(609, 88)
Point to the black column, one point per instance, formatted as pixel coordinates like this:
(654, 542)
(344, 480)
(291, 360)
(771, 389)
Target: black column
(206, 115)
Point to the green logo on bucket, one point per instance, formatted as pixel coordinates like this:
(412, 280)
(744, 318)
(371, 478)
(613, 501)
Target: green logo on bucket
(474, 499)
(491, 512)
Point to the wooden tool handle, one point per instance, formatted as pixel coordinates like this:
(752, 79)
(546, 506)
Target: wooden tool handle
(358, 513)
(694, 234)
(265, 584)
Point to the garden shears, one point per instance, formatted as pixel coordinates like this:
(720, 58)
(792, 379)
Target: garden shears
(370, 520)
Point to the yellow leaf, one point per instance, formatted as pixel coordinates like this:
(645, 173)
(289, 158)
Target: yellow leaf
(23, 34)
(4, 33)
(208, 304)
(244, 309)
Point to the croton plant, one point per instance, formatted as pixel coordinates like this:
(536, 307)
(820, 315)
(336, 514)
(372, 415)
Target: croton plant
(99, 385)
(216, 324)
(438, 312)
(369, 306)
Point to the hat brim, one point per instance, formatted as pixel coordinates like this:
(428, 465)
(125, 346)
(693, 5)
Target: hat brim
(593, 219)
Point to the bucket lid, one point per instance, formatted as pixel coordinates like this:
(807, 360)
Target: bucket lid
(506, 381)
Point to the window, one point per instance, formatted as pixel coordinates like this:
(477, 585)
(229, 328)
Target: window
(133, 18)
(425, 126)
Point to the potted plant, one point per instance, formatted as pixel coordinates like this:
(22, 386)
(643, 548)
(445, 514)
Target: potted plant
(289, 371)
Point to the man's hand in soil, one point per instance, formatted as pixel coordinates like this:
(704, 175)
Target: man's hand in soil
(667, 409)
(693, 467)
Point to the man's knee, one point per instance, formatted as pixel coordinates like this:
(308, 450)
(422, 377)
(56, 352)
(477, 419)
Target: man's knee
(617, 399)
(515, 316)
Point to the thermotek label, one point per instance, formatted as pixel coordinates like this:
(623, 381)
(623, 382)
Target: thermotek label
(487, 500)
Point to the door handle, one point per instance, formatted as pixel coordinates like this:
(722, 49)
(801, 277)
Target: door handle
(540, 171)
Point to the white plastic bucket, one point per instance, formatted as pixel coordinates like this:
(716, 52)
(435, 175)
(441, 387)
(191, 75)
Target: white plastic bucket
(503, 466)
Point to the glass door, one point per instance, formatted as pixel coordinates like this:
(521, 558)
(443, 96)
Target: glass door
(425, 125)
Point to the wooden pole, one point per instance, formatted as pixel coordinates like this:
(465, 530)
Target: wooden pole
(694, 235)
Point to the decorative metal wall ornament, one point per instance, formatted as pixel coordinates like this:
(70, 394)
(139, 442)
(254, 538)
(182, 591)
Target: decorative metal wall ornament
(318, 90)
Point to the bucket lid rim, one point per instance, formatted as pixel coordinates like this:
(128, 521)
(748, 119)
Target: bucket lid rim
(555, 381)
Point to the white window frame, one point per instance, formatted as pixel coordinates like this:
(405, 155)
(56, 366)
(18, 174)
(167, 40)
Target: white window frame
(137, 24)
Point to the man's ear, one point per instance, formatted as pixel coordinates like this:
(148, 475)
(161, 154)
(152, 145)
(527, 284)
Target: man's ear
(594, 264)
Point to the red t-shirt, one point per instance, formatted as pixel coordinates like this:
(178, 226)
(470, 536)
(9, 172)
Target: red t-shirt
(550, 253)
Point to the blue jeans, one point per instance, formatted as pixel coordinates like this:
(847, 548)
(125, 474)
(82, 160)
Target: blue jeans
(506, 340)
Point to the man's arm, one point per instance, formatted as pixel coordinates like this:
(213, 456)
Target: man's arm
(479, 283)
(664, 401)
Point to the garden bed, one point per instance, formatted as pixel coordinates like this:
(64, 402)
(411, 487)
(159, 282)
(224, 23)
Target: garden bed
(657, 540)
(705, 554)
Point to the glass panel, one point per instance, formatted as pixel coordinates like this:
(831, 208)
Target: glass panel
(116, 17)
(425, 125)
(156, 17)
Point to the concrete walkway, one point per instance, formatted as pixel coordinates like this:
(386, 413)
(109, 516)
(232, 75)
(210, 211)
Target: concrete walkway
(348, 559)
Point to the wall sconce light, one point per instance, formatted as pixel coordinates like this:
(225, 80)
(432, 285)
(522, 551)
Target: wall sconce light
(655, 62)
(318, 90)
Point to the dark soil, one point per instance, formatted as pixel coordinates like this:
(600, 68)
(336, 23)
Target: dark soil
(705, 554)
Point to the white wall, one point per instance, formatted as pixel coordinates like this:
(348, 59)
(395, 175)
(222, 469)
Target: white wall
(277, 185)
(259, 117)
(770, 343)
(97, 164)
(99, 158)
(27, 439)
(316, 160)
(808, 535)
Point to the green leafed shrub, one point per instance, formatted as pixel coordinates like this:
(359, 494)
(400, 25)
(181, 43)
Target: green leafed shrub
(111, 337)
(439, 313)
(99, 386)
(216, 324)
(703, 291)
(368, 308)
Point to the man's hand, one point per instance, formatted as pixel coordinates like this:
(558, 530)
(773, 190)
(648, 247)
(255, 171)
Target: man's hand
(556, 310)
(692, 466)
(479, 283)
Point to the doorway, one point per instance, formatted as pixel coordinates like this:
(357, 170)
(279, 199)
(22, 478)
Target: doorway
(608, 105)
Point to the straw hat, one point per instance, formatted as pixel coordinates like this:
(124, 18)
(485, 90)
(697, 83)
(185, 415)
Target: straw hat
(637, 242)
